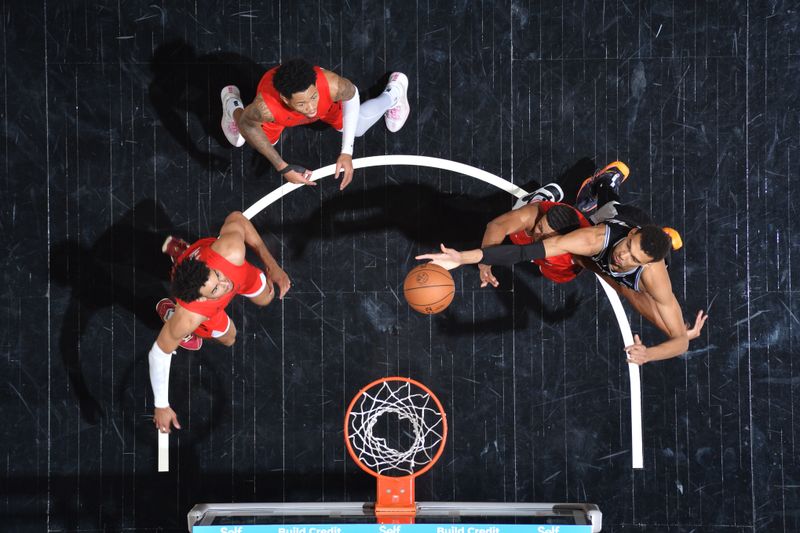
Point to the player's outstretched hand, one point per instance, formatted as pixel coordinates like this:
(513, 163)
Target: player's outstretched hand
(164, 418)
(699, 322)
(450, 258)
(487, 278)
(637, 352)
(279, 276)
(297, 174)
(344, 164)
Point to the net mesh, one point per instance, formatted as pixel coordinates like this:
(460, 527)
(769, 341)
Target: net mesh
(395, 428)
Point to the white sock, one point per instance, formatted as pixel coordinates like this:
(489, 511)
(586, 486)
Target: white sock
(372, 110)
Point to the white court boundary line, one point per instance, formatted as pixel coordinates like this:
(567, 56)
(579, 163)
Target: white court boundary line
(163, 452)
(387, 160)
(460, 168)
(637, 456)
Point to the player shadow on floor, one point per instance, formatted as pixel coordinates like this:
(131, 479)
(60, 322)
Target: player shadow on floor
(569, 179)
(161, 501)
(123, 267)
(427, 217)
(459, 221)
(519, 308)
(185, 82)
(201, 396)
(213, 437)
(421, 213)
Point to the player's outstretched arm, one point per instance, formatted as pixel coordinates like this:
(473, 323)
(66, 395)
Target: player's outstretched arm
(343, 90)
(451, 258)
(238, 232)
(250, 127)
(655, 283)
(646, 306)
(643, 303)
(181, 323)
(584, 241)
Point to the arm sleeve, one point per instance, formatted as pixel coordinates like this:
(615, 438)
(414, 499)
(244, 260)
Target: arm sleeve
(508, 254)
(159, 375)
(350, 122)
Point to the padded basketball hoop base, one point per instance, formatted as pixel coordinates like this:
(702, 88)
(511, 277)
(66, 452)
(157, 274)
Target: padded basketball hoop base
(396, 503)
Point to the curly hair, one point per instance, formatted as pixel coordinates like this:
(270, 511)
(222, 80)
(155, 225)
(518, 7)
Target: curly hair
(563, 219)
(655, 242)
(294, 76)
(187, 279)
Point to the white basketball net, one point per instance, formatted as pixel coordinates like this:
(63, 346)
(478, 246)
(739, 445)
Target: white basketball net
(415, 411)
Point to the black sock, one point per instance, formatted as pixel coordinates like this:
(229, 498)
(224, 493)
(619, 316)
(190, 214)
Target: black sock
(606, 193)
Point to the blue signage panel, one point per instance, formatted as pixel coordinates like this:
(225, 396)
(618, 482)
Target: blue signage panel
(395, 528)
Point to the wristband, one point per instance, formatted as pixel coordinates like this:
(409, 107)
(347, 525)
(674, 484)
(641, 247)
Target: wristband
(290, 167)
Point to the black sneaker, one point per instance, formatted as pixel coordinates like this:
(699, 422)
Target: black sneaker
(614, 174)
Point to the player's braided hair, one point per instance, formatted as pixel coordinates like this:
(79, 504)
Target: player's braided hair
(294, 76)
(655, 242)
(563, 219)
(187, 279)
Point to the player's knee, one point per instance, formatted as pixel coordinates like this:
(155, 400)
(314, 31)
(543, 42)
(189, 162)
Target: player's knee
(228, 340)
(268, 298)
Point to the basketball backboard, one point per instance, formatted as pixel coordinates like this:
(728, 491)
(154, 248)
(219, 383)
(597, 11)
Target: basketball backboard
(359, 517)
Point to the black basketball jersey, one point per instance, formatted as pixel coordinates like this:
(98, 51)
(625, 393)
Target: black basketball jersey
(616, 231)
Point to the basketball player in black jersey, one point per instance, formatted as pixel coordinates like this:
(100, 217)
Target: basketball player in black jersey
(624, 247)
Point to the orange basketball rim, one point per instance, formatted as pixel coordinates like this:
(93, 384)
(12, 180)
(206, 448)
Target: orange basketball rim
(407, 449)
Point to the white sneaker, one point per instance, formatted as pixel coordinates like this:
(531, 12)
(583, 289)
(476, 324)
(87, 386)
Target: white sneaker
(397, 115)
(229, 127)
(549, 193)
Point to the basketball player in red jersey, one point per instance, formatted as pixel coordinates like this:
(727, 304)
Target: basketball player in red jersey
(206, 277)
(297, 93)
(539, 216)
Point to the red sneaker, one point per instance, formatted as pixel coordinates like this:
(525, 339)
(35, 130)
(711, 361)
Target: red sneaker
(174, 247)
(165, 308)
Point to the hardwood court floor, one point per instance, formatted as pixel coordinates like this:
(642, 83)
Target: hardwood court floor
(111, 141)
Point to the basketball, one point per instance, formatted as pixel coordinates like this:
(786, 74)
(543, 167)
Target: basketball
(429, 289)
